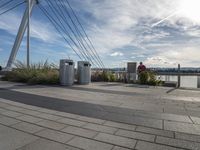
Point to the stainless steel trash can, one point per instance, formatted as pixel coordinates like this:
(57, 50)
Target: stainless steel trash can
(84, 72)
(66, 72)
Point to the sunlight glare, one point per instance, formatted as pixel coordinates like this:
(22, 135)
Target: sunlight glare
(190, 9)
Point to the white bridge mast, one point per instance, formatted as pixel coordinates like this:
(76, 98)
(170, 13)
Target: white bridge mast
(20, 34)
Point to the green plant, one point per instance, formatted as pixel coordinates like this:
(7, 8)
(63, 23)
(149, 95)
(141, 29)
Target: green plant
(149, 77)
(41, 73)
(143, 77)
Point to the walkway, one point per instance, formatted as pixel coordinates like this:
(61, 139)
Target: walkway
(98, 117)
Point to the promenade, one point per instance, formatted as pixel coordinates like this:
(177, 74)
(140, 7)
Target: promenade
(99, 116)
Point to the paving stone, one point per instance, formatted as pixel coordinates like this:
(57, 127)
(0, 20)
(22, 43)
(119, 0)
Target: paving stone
(155, 123)
(116, 140)
(51, 124)
(42, 144)
(11, 113)
(68, 115)
(88, 144)
(92, 120)
(72, 122)
(120, 125)
(182, 127)
(189, 137)
(30, 112)
(48, 116)
(155, 131)
(14, 108)
(100, 128)
(196, 120)
(11, 139)
(178, 143)
(30, 119)
(80, 131)
(136, 135)
(141, 145)
(2, 110)
(4, 105)
(164, 116)
(8, 121)
(27, 127)
(49, 111)
(55, 135)
(119, 148)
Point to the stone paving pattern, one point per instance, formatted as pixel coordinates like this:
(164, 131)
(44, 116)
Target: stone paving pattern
(129, 118)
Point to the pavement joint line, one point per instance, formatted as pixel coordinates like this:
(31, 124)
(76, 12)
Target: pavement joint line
(34, 134)
(37, 136)
(135, 144)
(93, 123)
(84, 137)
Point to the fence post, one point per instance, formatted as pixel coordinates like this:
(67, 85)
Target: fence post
(179, 75)
(198, 81)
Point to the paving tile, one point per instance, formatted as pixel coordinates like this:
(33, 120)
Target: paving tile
(71, 122)
(120, 125)
(155, 131)
(14, 108)
(178, 143)
(164, 116)
(27, 127)
(189, 137)
(11, 139)
(136, 135)
(80, 131)
(100, 128)
(30, 119)
(51, 124)
(48, 116)
(4, 105)
(116, 140)
(88, 144)
(92, 120)
(55, 135)
(42, 144)
(49, 111)
(2, 110)
(119, 148)
(155, 123)
(68, 115)
(8, 121)
(30, 112)
(182, 127)
(11, 113)
(196, 120)
(141, 145)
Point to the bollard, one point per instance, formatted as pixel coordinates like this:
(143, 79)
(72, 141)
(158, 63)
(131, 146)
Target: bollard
(179, 76)
(198, 81)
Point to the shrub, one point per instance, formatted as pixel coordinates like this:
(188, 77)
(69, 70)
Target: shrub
(144, 77)
(41, 73)
(103, 76)
(149, 77)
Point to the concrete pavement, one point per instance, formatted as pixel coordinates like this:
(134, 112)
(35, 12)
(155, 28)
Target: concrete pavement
(98, 116)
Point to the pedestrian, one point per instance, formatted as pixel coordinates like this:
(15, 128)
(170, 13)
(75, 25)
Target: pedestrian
(141, 68)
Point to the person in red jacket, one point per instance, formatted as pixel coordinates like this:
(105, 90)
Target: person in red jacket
(141, 68)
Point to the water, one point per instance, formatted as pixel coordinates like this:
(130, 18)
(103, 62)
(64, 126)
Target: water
(186, 81)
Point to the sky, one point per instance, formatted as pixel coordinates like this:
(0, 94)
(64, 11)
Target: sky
(160, 33)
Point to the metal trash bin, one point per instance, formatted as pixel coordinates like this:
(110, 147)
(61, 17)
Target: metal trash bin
(84, 72)
(66, 72)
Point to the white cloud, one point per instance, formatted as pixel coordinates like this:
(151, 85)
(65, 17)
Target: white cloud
(116, 54)
(39, 29)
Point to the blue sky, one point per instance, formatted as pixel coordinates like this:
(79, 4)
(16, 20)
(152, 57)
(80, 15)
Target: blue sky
(161, 33)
